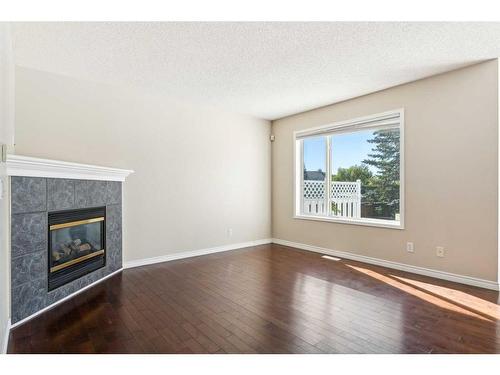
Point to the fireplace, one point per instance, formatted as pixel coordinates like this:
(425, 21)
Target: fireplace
(76, 244)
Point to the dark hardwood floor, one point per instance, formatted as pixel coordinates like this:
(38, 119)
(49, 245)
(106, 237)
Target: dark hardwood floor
(267, 299)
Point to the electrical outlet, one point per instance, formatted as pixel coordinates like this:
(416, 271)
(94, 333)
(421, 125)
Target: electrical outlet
(440, 251)
(409, 247)
(229, 232)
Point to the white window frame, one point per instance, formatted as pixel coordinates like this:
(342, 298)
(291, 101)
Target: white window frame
(344, 127)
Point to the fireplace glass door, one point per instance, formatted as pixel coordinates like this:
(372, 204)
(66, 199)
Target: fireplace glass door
(76, 244)
(75, 241)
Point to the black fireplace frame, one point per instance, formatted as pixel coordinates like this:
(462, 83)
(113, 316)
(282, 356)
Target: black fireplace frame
(61, 277)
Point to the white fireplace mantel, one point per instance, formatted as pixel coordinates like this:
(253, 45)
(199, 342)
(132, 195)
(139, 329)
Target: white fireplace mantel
(18, 165)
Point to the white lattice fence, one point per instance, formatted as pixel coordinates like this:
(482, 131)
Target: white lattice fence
(314, 197)
(346, 199)
(345, 196)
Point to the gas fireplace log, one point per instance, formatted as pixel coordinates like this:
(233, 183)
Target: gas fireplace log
(65, 249)
(75, 244)
(84, 247)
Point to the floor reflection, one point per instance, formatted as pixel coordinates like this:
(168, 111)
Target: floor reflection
(267, 299)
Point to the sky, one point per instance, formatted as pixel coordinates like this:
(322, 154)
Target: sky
(347, 150)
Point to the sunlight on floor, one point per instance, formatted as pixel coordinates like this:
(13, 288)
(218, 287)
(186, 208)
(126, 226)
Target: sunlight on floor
(330, 258)
(480, 305)
(440, 296)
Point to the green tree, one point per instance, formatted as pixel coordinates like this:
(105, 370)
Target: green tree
(385, 158)
(354, 173)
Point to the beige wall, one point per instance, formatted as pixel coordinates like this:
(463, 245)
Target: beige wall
(198, 171)
(451, 145)
(6, 134)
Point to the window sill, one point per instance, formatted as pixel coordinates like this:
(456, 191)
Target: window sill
(363, 222)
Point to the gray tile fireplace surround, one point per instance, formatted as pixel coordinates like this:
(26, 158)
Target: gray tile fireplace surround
(32, 198)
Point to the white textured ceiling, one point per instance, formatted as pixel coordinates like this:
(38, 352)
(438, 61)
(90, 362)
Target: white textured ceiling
(267, 70)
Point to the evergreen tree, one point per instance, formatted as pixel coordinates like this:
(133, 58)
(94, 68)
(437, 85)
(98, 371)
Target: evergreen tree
(385, 158)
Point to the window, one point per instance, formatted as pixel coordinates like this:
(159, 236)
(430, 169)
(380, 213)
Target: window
(352, 171)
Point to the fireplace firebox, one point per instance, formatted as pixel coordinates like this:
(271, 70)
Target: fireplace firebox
(77, 244)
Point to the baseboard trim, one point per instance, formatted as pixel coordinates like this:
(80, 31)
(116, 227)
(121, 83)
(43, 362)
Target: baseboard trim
(194, 253)
(64, 299)
(5, 342)
(468, 280)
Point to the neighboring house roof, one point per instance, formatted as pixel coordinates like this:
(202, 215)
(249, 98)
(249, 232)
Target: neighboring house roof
(314, 175)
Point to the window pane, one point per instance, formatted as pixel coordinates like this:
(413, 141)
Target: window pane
(365, 174)
(314, 202)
